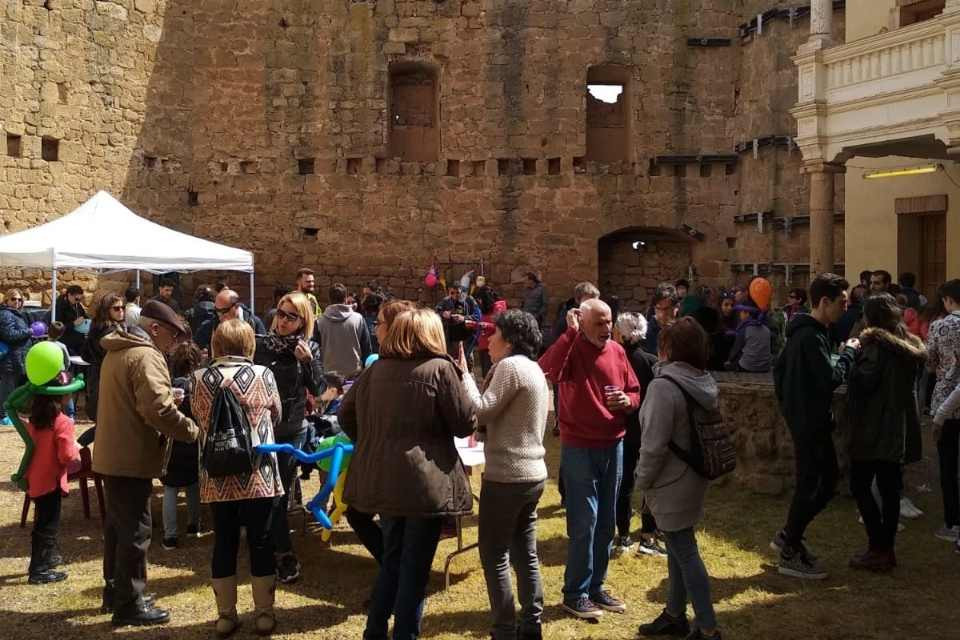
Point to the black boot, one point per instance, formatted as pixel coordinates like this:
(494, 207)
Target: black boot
(108, 592)
(530, 633)
(41, 552)
(666, 625)
(140, 615)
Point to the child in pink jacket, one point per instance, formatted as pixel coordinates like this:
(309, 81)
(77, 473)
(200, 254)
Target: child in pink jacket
(54, 450)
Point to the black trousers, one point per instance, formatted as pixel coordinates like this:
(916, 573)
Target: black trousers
(817, 474)
(368, 531)
(279, 522)
(631, 454)
(46, 524)
(228, 517)
(948, 448)
(880, 520)
(126, 538)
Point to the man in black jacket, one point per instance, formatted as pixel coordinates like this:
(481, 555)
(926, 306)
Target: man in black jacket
(226, 306)
(806, 376)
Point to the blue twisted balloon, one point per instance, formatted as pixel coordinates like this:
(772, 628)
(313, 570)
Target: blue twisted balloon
(336, 453)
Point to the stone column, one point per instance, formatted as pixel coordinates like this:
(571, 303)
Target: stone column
(821, 21)
(821, 215)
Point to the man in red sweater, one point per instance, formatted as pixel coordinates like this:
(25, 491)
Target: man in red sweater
(597, 389)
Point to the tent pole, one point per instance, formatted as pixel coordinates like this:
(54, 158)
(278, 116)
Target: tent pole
(253, 309)
(53, 298)
(138, 278)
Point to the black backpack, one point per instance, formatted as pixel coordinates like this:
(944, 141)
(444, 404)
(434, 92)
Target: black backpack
(228, 449)
(712, 452)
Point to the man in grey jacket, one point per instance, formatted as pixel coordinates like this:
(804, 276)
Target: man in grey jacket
(342, 335)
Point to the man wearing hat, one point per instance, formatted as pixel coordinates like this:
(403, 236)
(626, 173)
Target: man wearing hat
(135, 411)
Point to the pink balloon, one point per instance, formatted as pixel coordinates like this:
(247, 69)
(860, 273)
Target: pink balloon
(430, 280)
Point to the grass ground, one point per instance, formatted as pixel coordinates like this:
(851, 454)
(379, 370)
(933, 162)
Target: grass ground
(753, 601)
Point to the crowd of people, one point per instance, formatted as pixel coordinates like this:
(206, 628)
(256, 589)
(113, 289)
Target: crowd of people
(630, 393)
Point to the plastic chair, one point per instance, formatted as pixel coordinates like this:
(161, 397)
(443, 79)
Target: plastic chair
(81, 476)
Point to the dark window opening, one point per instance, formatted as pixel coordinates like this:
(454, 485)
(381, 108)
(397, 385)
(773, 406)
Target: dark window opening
(608, 113)
(224, 167)
(731, 169)
(705, 170)
(580, 165)
(731, 243)
(306, 166)
(503, 167)
(453, 168)
(193, 198)
(553, 166)
(50, 149)
(654, 169)
(248, 166)
(914, 11)
(680, 170)
(353, 166)
(529, 166)
(414, 113)
(149, 162)
(310, 232)
(14, 145)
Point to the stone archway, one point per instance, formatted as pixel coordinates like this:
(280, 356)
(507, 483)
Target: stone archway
(633, 261)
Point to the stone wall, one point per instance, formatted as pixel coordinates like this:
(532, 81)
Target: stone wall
(765, 460)
(268, 125)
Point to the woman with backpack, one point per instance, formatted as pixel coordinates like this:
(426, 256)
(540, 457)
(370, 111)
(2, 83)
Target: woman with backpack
(673, 490)
(290, 352)
(244, 499)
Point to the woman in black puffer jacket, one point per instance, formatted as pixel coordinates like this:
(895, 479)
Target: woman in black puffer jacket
(15, 333)
(293, 357)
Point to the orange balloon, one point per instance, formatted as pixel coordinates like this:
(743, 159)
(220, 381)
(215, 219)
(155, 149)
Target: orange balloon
(761, 291)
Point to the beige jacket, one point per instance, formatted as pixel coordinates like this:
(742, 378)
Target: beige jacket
(135, 407)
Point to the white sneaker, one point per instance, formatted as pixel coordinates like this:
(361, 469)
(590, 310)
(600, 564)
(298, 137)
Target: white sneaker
(949, 534)
(909, 510)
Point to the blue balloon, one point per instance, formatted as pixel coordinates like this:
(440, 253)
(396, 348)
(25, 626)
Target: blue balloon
(317, 506)
(373, 357)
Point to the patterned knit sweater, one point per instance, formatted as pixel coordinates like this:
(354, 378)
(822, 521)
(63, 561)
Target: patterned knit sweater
(513, 407)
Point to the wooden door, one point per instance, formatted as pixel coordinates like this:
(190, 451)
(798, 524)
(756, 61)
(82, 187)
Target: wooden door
(933, 253)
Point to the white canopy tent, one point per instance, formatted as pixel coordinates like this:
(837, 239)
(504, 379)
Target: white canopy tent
(102, 234)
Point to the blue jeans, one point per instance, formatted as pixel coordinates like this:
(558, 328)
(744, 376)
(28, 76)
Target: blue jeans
(688, 579)
(170, 507)
(591, 478)
(409, 545)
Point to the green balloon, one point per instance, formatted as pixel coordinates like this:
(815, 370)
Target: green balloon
(44, 362)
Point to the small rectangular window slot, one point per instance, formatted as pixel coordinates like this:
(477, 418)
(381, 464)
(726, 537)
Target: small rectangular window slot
(14, 145)
(306, 166)
(553, 166)
(353, 166)
(193, 198)
(580, 165)
(529, 166)
(453, 168)
(50, 149)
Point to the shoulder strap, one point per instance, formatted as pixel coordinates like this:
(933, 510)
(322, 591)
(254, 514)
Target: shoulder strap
(681, 453)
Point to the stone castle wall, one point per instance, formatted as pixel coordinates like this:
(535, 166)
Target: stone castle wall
(267, 125)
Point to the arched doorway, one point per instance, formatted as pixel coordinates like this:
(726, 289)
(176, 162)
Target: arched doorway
(634, 261)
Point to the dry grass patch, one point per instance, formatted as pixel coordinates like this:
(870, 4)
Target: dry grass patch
(752, 600)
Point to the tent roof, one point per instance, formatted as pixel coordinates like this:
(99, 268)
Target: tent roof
(104, 234)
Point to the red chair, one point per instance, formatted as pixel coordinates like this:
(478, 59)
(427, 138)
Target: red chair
(81, 475)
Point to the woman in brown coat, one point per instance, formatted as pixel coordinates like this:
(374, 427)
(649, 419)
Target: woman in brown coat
(402, 415)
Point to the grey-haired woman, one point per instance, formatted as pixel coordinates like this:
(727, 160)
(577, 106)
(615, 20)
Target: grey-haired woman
(631, 332)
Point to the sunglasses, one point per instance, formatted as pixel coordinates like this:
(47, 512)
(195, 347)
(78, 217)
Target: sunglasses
(289, 317)
(221, 312)
(16, 299)
(117, 308)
